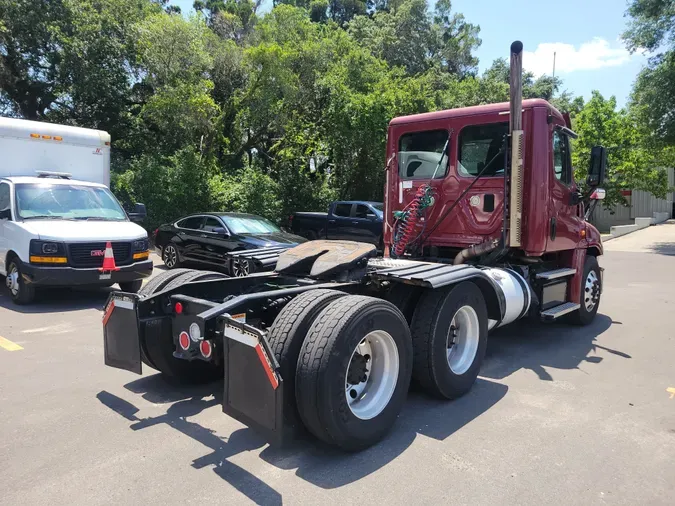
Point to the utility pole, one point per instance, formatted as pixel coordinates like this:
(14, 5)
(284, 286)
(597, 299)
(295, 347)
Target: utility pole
(553, 64)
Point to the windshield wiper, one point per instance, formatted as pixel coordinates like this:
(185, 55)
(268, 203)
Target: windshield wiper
(45, 217)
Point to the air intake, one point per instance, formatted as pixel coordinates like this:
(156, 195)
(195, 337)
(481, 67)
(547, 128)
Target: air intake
(516, 189)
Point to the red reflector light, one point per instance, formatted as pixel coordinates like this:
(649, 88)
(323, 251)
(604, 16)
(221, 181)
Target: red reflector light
(184, 340)
(178, 307)
(205, 348)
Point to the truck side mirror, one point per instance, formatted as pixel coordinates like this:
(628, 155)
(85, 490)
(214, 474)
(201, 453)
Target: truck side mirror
(139, 213)
(596, 171)
(598, 194)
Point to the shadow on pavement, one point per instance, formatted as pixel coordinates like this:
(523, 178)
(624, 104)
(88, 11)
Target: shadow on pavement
(534, 346)
(529, 346)
(314, 462)
(57, 300)
(329, 468)
(664, 248)
(177, 415)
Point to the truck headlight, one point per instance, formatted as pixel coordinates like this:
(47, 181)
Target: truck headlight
(47, 252)
(140, 245)
(50, 248)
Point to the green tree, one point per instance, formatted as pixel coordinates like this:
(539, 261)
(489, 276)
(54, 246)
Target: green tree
(631, 165)
(652, 28)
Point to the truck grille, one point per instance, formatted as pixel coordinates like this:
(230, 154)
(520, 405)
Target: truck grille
(80, 254)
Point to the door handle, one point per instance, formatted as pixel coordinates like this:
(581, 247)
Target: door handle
(331, 221)
(203, 235)
(355, 222)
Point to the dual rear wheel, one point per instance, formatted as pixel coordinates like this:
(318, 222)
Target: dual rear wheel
(348, 360)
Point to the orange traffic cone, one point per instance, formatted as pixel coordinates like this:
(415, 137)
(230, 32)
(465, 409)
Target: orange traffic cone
(108, 259)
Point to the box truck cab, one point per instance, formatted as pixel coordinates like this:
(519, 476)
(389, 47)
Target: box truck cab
(57, 214)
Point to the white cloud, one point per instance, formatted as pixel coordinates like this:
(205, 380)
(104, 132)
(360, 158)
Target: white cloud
(594, 54)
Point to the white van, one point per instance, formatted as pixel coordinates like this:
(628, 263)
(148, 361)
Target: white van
(57, 214)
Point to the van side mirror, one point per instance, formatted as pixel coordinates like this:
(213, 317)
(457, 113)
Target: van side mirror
(139, 213)
(596, 171)
(6, 214)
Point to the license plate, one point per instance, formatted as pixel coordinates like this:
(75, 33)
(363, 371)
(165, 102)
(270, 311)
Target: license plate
(104, 276)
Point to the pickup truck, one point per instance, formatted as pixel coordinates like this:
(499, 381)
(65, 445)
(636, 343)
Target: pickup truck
(345, 221)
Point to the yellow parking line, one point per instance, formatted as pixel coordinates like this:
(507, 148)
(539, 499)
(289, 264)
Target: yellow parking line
(671, 391)
(9, 345)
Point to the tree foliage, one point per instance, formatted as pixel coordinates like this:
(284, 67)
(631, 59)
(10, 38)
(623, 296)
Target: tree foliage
(232, 110)
(652, 29)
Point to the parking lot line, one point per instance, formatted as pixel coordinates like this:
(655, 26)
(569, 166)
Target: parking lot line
(9, 345)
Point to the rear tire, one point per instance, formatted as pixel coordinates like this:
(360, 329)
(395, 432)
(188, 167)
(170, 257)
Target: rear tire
(449, 332)
(286, 336)
(158, 346)
(157, 283)
(331, 365)
(590, 293)
(131, 286)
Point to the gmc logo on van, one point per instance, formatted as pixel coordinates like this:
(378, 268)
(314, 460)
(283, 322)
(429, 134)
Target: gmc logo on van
(98, 253)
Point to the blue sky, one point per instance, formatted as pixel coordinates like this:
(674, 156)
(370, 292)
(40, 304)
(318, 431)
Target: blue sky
(583, 33)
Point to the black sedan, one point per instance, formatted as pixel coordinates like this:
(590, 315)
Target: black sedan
(209, 239)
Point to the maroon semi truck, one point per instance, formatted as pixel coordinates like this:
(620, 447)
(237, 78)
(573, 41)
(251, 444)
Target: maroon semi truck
(483, 225)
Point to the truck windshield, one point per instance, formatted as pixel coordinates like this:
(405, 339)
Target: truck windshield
(249, 225)
(66, 202)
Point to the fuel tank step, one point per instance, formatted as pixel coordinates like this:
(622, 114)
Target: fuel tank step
(558, 311)
(557, 273)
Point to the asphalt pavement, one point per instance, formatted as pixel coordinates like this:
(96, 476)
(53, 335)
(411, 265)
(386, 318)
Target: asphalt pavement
(560, 415)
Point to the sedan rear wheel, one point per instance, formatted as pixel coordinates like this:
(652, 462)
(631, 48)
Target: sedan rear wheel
(241, 267)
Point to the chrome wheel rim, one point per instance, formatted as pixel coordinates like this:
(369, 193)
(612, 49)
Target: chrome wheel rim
(372, 375)
(463, 339)
(240, 267)
(591, 291)
(170, 256)
(12, 280)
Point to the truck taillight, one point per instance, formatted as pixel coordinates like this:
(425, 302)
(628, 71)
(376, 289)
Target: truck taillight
(206, 349)
(290, 220)
(154, 234)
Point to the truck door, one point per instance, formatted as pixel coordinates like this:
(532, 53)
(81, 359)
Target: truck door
(565, 221)
(364, 225)
(339, 221)
(5, 205)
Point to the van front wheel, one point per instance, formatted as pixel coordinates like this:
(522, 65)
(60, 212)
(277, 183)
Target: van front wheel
(21, 292)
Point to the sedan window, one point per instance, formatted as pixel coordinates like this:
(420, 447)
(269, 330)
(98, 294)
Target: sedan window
(211, 224)
(193, 223)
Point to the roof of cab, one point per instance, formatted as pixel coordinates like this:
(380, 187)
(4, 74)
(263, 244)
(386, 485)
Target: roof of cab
(49, 180)
(502, 107)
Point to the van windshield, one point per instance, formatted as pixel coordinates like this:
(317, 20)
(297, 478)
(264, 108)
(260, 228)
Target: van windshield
(66, 202)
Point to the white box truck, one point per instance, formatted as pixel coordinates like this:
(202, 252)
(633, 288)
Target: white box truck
(57, 214)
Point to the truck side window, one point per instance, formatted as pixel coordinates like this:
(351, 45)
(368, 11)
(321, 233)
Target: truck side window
(343, 210)
(4, 196)
(419, 153)
(362, 211)
(561, 158)
(479, 146)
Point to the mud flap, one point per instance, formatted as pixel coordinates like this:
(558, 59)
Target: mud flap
(121, 337)
(254, 389)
